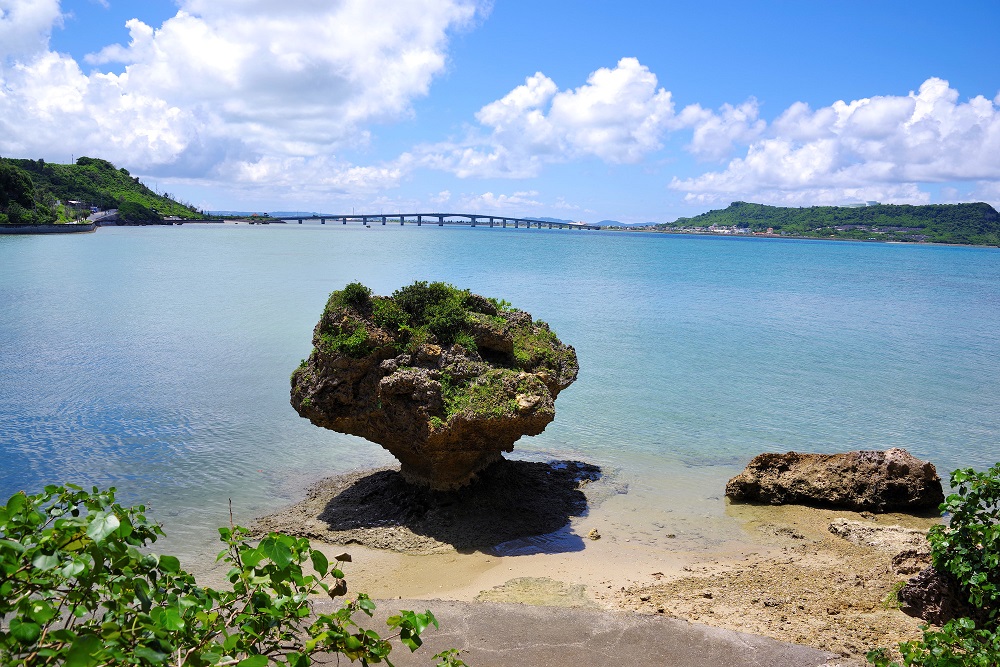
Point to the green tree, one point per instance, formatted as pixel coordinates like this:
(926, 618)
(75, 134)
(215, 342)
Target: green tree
(134, 212)
(15, 186)
(79, 587)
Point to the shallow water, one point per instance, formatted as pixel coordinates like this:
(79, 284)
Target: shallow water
(157, 359)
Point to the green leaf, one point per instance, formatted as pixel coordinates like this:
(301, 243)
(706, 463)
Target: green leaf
(41, 611)
(102, 525)
(279, 553)
(253, 661)
(11, 544)
(251, 557)
(25, 632)
(171, 620)
(169, 564)
(84, 652)
(319, 561)
(151, 655)
(16, 503)
(73, 568)
(45, 561)
(410, 639)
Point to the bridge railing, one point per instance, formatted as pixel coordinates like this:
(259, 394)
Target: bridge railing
(440, 219)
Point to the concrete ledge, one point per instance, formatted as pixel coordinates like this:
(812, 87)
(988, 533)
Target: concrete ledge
(47, 229)
(494, 635)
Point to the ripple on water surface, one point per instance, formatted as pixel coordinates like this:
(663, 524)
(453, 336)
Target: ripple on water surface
(157, 360)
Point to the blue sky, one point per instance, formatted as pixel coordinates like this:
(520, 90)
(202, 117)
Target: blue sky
(633, 111)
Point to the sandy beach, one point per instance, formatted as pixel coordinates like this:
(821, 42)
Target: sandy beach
(787, 576)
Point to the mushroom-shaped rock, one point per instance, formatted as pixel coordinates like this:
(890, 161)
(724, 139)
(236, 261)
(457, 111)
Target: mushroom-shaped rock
(877, 481)
(444, 379)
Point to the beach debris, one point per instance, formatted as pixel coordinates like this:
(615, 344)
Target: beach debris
(893, 539)
(593, 534)
(875, 481)
(444, 379)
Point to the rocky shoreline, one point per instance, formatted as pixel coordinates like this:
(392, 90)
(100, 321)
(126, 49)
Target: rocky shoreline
(378, 509)
(820, 585)
(820, 577)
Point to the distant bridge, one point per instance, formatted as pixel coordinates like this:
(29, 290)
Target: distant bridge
(439, 219)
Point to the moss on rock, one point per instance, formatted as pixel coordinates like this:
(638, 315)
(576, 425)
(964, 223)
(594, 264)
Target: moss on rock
(444, 379)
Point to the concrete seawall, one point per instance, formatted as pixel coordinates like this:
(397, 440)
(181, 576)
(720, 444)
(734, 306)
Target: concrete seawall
(48, 229)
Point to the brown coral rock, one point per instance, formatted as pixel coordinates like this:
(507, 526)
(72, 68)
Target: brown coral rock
(443, 379)
(936, 597)
(877, 481)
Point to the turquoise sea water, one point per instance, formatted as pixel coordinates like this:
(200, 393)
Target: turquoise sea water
(157, 359)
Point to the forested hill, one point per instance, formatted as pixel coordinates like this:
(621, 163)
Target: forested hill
(37, 192)
(973, 224)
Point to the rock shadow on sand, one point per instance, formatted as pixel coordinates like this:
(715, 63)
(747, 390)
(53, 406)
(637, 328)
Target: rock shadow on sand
(511, 501)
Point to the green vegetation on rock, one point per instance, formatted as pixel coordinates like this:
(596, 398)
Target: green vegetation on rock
(973, 224)
(38, 186)
(443, 378)
(349, 336)
(424, 313)
(79, 587)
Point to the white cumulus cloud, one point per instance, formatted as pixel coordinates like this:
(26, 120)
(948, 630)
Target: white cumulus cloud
(224, 86)
(619, 115)
(875, 148)
(514, 204)
(25, 26)
(716, 134)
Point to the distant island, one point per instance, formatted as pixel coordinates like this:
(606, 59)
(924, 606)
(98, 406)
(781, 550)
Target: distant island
(968, 224)
(38, 193)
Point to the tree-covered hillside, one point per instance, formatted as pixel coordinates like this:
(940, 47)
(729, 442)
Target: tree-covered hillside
(974, 224)
(20, 204)
(91, 182)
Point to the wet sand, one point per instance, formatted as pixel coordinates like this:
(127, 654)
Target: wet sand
(787, 578)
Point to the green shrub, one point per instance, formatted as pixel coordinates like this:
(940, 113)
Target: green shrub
(387, 314)
(957, 644)
(350, 338)
(445, 320)
(466, 340)
(79, 588)
(968, 548)
(438, 308)
(417, 298)
(353, 295)
(19, 215)
(502, 305)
